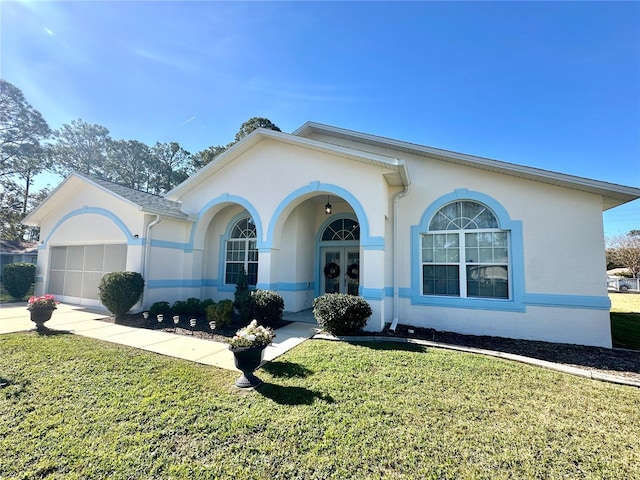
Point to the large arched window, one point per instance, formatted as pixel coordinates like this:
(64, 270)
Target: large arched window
(241, 252)
(465, 253)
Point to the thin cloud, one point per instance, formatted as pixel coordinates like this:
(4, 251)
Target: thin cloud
(188, 121)
(160, 59)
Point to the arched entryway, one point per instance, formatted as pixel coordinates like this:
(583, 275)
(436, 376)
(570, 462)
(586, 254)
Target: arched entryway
(339, 243)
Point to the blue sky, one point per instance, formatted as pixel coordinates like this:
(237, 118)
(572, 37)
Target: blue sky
(544, 84)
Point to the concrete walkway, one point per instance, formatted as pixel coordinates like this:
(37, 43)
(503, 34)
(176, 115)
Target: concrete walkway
(83, 321)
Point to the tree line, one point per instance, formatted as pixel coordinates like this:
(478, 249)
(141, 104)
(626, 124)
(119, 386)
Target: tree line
(28, 147)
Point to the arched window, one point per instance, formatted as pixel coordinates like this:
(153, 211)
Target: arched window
(241, 252)
(465, 253)
(341, 229)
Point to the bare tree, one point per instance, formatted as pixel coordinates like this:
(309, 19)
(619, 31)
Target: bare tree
(625, 251)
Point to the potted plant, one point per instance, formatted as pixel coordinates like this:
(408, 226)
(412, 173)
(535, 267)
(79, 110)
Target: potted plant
(247, 346)
(41, 309)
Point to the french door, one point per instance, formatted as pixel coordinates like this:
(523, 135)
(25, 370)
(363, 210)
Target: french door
(340, 270)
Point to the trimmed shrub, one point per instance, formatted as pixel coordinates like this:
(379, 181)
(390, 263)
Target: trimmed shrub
(341, 314)
(242, 297)
(221, 313)
(18, 278)
(179, 307)
(160, 308)
(208, 302)
(194, 307)
(266, 307)
(119, 291)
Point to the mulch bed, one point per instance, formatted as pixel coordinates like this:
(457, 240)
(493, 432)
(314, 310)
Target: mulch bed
(201, 330)
(618, 362)
(625, 363)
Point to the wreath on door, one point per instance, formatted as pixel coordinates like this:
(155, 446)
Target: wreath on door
(353, 271)
(331, 270)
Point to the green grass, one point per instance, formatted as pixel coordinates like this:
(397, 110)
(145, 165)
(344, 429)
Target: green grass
(625, 320)
(79, 408)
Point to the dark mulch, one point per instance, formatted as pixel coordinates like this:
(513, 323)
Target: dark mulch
(201, 330)
(619, 362)
(612, 361)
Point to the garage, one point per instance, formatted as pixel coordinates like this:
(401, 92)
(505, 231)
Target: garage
(76, 270)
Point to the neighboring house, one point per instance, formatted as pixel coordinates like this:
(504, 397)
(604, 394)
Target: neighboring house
(13, 251)
(428, 237)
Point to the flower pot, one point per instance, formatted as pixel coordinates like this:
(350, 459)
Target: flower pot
(247, 359)
(41, 315)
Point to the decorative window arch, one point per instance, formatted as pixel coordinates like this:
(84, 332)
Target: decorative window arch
(341, 229)
(241, 251)
(464, 253)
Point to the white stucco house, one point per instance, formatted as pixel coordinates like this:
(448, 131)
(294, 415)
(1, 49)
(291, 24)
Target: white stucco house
(428, 237)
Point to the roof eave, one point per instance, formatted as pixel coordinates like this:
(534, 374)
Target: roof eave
(613, 194)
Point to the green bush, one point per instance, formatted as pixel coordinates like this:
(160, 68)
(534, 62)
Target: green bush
(242, 297)
(179, 307)
(119, 291)
(194, 307)
(221, 313)
(205, 303)
(266, 307)
(18, 278)
(341, 314)
(160, 308)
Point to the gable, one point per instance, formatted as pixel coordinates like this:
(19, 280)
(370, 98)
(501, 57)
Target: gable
(392, 168)
(79, 190)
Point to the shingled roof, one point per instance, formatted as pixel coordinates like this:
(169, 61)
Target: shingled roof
(146, 201)
(16, 247)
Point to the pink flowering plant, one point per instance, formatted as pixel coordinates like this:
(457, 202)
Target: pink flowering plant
(253, 335)
(45, 301)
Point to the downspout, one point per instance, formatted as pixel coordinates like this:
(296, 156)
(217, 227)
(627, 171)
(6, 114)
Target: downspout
(396, 256)
(145, 261)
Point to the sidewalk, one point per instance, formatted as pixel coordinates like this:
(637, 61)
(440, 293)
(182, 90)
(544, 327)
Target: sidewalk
(83, 321)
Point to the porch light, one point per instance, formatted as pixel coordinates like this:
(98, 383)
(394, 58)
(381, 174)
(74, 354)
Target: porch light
(327, 207)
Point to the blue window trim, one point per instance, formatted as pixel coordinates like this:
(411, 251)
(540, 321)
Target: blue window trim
(226, 198)
(222, 259)
(516, 252)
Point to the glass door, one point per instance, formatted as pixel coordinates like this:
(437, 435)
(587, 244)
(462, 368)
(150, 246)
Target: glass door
(340, 270)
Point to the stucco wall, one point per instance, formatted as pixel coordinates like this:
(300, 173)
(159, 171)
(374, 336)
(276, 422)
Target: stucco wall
(563, 239)
(557, 247)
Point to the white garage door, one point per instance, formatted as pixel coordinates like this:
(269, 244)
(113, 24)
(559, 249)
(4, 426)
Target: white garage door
(75, 271)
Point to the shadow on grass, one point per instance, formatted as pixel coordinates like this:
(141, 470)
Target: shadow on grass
(389, 344)
(50, 332)
(13, 389)
(289, 395)
(286, 369)
(625, 330)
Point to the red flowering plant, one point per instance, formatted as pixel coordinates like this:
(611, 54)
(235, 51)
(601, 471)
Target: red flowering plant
(47, 301)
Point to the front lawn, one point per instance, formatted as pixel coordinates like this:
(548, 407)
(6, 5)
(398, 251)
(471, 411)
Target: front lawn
(625, 320)
(78, 408)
